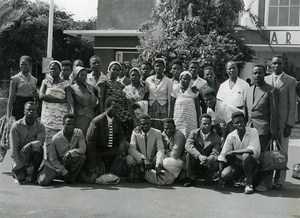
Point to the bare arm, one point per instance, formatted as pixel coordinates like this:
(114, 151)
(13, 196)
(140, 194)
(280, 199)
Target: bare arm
(48, 98)
(12, 96)
(69, 99)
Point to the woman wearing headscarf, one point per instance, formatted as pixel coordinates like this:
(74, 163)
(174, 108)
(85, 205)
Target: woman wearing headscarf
(85, 101)
(57, 100)
(22, 89)
(160, 88)
(136, 93)
(185, 115)
(113, 88)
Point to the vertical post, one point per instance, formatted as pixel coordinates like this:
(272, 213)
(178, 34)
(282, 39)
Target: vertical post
(50, 29)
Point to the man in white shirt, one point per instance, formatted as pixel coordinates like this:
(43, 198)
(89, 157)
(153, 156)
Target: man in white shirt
(240, 153)
(219, 112)
(96, 75)
(233, 91)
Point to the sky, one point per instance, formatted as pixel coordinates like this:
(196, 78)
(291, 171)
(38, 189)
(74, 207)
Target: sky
(82, 9)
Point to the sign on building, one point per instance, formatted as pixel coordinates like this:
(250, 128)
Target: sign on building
(285, 37)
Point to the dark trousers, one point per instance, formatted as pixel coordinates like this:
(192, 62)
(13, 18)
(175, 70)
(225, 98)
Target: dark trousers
(236, 167)
(74, 166)
(35, 158)
(194, 168)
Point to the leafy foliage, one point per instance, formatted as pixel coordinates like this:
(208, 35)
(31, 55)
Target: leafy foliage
(28, 36)
(195, 29)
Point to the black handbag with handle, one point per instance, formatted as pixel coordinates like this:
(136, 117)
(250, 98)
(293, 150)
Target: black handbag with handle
(273, 159)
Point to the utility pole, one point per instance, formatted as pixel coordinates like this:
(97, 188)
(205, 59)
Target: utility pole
(50, 30)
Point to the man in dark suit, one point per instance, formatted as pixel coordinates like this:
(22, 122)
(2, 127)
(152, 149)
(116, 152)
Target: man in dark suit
(261, 111)
(106, 142)
(203, 147)
(287, 100)
(261, 107)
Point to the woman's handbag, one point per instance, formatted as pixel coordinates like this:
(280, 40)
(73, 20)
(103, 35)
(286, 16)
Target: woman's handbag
(273, 159)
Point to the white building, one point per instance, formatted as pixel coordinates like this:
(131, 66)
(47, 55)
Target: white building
(280, 33)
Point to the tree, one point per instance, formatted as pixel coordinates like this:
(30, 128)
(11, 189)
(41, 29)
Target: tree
(28, 36)
(196, 29)
(9, 13)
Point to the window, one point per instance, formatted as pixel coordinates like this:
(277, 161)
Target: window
(283, 12)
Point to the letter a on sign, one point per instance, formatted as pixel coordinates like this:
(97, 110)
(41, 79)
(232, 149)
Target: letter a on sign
(274, 39)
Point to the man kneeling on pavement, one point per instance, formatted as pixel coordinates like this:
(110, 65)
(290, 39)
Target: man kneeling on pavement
(66, 154)
(240, 153)
(203, 148)
(146, 154)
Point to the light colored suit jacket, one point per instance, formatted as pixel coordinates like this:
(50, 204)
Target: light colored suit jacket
(153, 149)
(286, 99)
(262, 111)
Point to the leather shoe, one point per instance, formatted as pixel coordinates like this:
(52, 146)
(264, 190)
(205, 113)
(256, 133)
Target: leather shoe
(277, 186)
(188, 183)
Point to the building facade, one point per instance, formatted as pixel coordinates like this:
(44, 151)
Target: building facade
(118, 21)
(278, 33)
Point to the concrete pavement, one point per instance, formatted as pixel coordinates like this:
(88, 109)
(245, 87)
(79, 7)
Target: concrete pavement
(145, 200)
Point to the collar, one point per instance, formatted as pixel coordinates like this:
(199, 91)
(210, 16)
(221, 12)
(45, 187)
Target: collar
(235, 134)
(278, 76)
(109, 120)
(23, 122)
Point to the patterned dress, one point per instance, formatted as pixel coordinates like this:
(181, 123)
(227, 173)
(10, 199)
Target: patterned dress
(185, 115)
(136, 95)
(53, 113)
(115, 89)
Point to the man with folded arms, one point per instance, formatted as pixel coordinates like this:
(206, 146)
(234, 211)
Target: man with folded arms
(27, 137)
(240, 153)
(66, 154)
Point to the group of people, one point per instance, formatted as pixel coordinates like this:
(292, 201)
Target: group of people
(138, 123)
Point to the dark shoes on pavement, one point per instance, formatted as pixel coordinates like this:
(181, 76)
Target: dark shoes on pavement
(277, 186)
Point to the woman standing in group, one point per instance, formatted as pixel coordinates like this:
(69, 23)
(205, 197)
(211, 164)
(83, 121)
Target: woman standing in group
(136, 94)
(22, 89)
(160, 89)
(183, 98)
(57, 100)
(85, 101)
(114, 88)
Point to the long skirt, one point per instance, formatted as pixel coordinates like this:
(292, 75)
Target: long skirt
(158, 113)
(185, 115)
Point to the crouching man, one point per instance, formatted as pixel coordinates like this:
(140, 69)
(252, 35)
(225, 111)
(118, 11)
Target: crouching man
(240, 152)
(146, 153)
(174, 141)
(66, 154)
(203, 147)
(27, 137)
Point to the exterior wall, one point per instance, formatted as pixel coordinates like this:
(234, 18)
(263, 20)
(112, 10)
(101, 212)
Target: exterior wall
(107, 47)
(123, 14)
(286, 41)
(116, 41)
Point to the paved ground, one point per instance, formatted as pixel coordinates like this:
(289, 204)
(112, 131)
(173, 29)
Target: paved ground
(145, 200)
